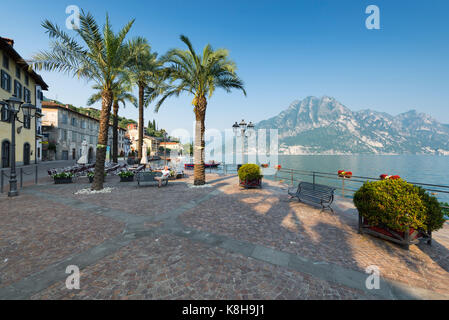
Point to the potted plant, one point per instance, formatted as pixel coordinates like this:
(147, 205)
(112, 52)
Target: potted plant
(398, 211)
(63, 177)
(91, 175)
(344, 174)
(126, 176)
(250, 176)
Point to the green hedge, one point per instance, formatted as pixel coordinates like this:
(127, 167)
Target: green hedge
(398, 205)
(249, 172)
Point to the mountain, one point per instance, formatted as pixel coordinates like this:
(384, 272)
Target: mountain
(325, 126)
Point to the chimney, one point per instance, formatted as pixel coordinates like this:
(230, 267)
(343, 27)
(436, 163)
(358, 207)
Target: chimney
(9, 41)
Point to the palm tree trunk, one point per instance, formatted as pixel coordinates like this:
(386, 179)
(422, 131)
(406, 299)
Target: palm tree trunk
(199, 175)
(140, 142)
(115, 132)
(106, 104)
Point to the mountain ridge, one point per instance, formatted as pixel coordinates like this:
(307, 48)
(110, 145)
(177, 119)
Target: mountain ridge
(326, 126)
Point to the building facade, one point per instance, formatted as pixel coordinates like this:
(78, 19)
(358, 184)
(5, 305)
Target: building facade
(18, 80)
(65, 129)
(151, 142)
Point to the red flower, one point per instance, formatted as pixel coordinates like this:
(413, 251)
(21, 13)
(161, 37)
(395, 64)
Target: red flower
(395, 177)
(384, 176)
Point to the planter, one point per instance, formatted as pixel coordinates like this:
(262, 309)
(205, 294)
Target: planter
(127, 179)
(411, 236)
(63, 180)
(256, 183)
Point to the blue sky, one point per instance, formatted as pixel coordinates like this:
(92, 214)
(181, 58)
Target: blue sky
(284, 50)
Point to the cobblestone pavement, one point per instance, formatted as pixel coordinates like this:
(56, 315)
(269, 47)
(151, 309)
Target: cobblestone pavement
(213, 242)
(170, 267)
(267, 217)
(35, 233)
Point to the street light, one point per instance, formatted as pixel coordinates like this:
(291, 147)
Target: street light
(246, 130)
(14, 105)
(165, 148)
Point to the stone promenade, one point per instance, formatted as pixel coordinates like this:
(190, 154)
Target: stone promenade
(213, 242)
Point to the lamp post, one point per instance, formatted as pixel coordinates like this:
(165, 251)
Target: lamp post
(165, 148)
(14, 106)
(245, 130)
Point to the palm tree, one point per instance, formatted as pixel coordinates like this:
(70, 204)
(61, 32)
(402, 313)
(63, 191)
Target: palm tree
(121, 94)
(198, 75)
(101, 59)
(142, 70)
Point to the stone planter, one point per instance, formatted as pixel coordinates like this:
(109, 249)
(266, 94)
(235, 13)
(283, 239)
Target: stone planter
(63, 180)
(247, 184)
(127, 179)
(403, 238)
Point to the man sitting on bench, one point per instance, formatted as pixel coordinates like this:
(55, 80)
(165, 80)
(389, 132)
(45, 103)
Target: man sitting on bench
(165, 173)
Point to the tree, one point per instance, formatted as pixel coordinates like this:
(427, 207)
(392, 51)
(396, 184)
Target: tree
(101, 59)
(120, 94)
(143, 68)
(198, 75)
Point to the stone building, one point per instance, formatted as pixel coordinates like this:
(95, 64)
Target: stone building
(64, 129)
(151, 142)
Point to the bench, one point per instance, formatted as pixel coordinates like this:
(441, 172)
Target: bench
(143, 177)
(316, 193)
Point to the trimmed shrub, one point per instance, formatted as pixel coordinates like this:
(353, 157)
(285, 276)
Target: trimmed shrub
(248, 172)
(435, 213)
(393, 203)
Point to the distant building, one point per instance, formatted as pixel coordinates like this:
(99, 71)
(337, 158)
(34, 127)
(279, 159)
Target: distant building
(17, 79)
(170, 145)
(65, 129)
(151, 142)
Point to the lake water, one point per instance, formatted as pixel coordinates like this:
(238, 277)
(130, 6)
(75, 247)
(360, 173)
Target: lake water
(414, 168)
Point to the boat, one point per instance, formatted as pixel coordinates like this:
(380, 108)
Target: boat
(206, 165)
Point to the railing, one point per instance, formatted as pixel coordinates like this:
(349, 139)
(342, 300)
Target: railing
(5, 175)
(346, 187)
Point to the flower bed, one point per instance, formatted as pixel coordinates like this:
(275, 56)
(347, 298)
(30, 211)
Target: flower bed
(63, 177)
(250, 176)
(126, 176)
(397, 211)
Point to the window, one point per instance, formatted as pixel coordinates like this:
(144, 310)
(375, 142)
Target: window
(5, 61)
(26, 122)
(73, 136)
(27, 79)
(83, 124)
(74, 122)
(64, 119)
(18, 73)
(64, 135)
(6, 81)
(5, 112)
(91, 139)
(26, 95)
(17, 89)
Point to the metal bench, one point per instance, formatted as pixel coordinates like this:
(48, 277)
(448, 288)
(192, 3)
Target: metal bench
(143, 177)
(316, 193)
